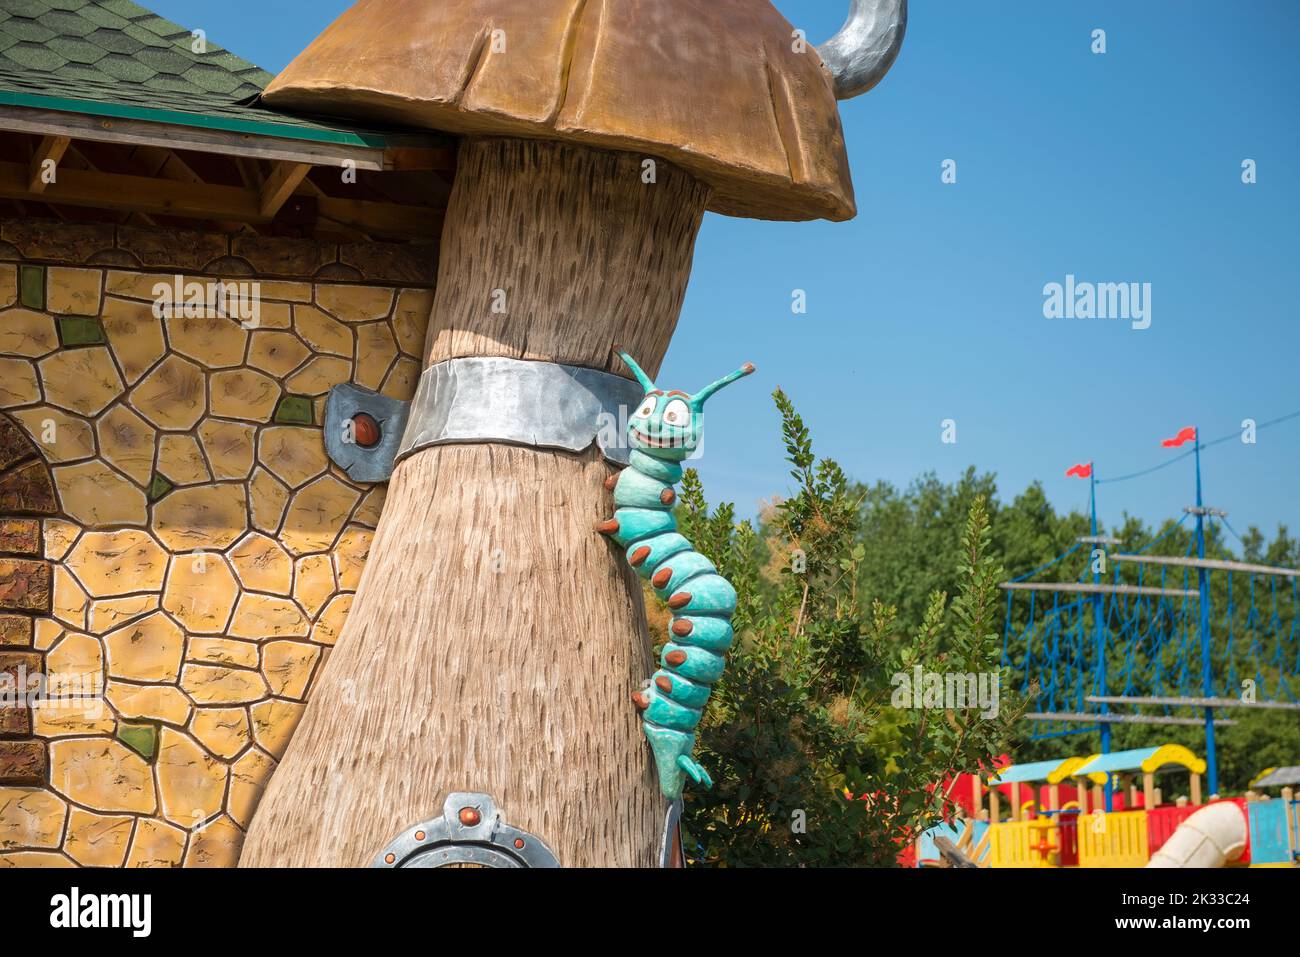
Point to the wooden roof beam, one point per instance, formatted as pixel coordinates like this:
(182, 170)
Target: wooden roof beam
(143, 194)
(49, 150)
(168, 164)
(76, 159)
(413, 159)
(280, 185)
(381, 220)
(204, 140)
(249, 171)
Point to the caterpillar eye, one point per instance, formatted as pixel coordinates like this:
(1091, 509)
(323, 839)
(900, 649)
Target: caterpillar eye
(677, 413)
(647, 409)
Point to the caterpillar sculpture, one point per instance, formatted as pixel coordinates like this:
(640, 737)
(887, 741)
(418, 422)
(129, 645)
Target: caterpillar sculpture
(664, 430)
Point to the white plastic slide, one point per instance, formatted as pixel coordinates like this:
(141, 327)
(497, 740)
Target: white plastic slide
(1214, 836)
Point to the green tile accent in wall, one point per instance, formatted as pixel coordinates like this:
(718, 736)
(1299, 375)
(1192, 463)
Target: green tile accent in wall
(31, 286)
(140, 738)
(81, 331)
(294, 410)
(158, 487)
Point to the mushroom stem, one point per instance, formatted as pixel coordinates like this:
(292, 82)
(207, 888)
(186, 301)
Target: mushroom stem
(494, 638)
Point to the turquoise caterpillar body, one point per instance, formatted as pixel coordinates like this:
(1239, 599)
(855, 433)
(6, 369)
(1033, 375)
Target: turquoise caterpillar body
(664, 431)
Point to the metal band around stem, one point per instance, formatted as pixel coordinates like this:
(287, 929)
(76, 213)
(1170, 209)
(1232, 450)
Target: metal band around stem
(523, 402)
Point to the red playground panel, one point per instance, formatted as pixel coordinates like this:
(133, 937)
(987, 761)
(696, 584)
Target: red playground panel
(1068, 828)
(1163, 821)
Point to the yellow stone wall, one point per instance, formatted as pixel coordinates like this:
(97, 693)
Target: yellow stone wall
(205, 612)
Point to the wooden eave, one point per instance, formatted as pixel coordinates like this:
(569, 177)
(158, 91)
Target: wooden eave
(129, 169)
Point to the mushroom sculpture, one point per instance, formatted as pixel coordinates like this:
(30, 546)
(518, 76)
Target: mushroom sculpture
(495, 639)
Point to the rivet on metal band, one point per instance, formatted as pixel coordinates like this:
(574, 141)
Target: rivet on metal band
(522, 402)
(363, 430)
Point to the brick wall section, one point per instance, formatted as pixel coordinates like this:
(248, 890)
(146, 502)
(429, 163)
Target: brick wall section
(25, 592)
(218, 254)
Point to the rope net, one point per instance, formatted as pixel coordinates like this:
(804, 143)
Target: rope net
(1150, 645)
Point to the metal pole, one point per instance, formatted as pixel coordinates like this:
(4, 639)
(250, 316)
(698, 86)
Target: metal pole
(1098, 610)
(1207, 679)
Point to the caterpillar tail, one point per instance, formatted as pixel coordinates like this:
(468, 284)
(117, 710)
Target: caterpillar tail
(702, 603)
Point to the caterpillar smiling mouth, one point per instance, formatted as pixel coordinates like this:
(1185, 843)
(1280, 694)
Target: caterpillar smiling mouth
(670, 443)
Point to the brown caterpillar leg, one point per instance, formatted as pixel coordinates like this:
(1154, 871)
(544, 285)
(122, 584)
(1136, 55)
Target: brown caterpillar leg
(608, 527)
(612, 481)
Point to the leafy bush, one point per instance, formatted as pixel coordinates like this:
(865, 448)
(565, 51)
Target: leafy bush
(813, 764)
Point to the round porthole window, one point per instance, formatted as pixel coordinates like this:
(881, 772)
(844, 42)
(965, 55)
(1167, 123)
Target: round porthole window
(470, 833)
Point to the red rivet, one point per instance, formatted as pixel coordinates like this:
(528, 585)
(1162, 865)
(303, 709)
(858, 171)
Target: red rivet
(469, 816)
(419, 835)
(365, 430)
(519, 842)
(389, 858)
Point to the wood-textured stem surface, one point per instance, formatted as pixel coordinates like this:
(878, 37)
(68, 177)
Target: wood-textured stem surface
(577, 250)
(496, 637)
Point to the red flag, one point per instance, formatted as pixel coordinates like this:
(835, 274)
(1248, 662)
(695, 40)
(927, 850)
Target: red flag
(1185, 435)
(1080, 471)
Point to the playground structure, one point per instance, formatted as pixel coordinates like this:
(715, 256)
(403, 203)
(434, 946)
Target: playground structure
(1169, 633)
(1161, 635)
(1063, 820)
(1174, 638)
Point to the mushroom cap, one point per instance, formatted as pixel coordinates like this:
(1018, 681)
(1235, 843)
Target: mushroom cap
(722, 88)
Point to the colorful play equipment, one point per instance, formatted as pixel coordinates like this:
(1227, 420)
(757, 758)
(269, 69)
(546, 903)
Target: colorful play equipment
(1058, 816)
(1170, 633)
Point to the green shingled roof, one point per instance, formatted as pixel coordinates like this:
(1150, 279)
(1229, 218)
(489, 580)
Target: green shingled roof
(115, 58)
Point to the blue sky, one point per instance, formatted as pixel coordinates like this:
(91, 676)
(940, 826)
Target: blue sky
(1119, 167)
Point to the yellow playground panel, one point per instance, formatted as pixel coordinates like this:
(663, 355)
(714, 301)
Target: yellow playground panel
(1011, 845)
(1118, 839)
(1028, 843)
